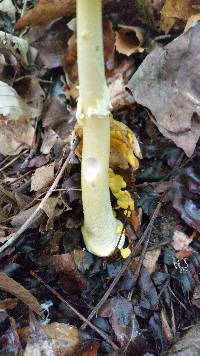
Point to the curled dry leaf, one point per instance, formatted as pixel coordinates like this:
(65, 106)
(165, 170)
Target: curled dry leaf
(129, 39)
(42, 177)
(46, 11)
(167, 83)
(9, 285)
(16, 131)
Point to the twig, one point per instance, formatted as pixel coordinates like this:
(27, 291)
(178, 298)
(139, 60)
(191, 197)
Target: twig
(25, 226)
(53, 291)
(13, 160)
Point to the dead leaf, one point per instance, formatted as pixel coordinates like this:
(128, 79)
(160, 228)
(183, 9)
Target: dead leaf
(188, 344)
(129, 39)
(119, 311)
(50, 210)
(8, 303)
(181, 241)
(46, 11)
(43, 177)
(7, 7)
(167, 83)
(64, 338)
(150, 259)
(109, 45)
(192, 21)
(117, 80)
(196, 296)
(175, 9)
(16, 131)
(9, 285)
(19, 47)
(31, 92)
(23, 215)
(59, 118)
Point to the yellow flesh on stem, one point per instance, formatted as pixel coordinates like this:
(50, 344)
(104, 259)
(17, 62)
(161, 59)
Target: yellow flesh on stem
(101, 230)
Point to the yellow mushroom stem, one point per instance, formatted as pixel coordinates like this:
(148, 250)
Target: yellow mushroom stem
(102, 232)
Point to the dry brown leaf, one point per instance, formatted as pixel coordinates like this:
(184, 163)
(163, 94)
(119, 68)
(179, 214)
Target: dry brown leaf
(150, 259)
(16, 131)
(175, 9)
(42, 177)
(129, 39)
(167, 83)
(46, 11)
(64, 338)
(9, 285)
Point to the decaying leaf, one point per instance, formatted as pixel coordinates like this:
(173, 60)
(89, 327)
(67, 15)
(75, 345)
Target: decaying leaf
(7, 7)
(150, 259)
(45, 11)
(188, 344)
(181, 241)
(42, 177)
(23, 215)
(64, 338)
(120, 313)
(167, 83)
(16, 131)
(192, 21)
(9, 285)
(196, 296)
(129, 39)
(16, 45)
(175, 9)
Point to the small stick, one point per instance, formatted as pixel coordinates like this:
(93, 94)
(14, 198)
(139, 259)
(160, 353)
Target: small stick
(25, 226)
(12, 161)
(53, 291)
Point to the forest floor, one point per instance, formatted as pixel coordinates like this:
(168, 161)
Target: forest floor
(55, 297)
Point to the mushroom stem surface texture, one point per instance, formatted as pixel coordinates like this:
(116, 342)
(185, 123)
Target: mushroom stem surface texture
(101, 230)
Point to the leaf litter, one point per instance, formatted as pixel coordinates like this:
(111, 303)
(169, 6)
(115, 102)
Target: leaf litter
(149, 303)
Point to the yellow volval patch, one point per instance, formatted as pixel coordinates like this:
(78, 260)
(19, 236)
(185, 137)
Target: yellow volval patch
(116, 184)
(125, 148)
(125, 252)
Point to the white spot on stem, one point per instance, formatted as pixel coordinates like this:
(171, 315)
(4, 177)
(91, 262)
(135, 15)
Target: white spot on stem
(91, 169)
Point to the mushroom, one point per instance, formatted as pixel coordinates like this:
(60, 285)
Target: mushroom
(102, 232)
